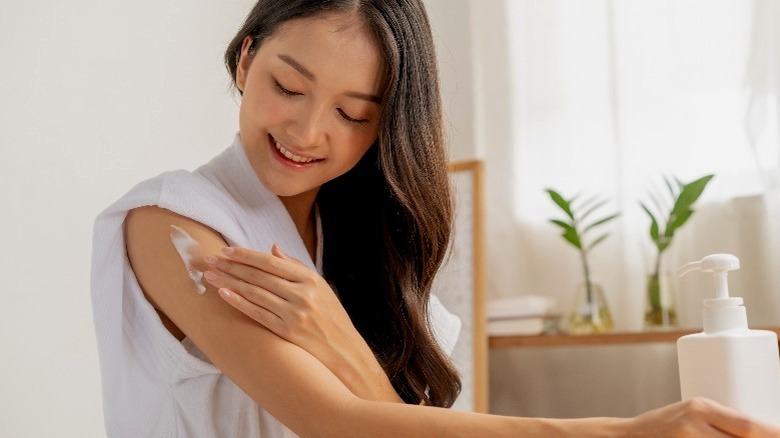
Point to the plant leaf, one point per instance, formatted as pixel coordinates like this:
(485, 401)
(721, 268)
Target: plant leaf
(561, 224)
(597, 241)
(677, 220)
(572, 237)
(585, 204)
(569, 232)
(561, 202)
(662, 243)
(690, 192)
(653, 224)
(659, 208)
(592, 209)
(681, 211)
(672, 190)
(600, 222)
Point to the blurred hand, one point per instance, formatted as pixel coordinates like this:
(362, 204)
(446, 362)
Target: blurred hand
(699, 417)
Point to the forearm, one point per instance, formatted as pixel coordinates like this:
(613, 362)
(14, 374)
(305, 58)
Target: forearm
(364, 418)
(365, 378)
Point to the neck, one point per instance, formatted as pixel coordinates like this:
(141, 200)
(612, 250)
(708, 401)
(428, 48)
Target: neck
(301, 209)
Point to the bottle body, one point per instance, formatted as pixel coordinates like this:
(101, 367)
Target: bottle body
(739, 368)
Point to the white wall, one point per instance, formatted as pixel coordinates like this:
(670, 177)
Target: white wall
(451, 26)
(94, 97)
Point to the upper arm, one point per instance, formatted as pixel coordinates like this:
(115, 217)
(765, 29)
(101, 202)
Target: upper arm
(276, 374)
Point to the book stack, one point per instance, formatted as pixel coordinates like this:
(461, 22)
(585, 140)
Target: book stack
(523, 315)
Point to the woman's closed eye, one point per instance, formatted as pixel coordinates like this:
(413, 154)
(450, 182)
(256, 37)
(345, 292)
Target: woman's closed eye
(291, 93)
(346, 117)
(282, 89)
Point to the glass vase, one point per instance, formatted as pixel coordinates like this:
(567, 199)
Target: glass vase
(590, 312)
(660, 313)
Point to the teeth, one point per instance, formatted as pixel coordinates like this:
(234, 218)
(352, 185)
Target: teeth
(290, 155)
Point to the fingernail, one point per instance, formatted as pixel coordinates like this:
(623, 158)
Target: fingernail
(280, 250)
(224, 292)
(211, 260)
(228, 251)
(210, 275)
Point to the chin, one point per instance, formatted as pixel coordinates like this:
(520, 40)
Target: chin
(285, 192)
(277, 188)
(280, 188)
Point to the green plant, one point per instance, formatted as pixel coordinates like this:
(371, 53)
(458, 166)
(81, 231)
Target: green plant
(576, 229)
(682, 198)
(664, 224)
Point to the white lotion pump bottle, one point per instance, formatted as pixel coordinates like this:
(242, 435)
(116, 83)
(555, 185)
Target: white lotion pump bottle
(728, 362)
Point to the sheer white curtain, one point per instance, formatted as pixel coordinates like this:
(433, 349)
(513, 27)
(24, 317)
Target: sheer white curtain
(607, 97)
(762, 124)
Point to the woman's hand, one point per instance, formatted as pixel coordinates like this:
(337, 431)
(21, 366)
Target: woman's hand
(298, 305)
(699, 417)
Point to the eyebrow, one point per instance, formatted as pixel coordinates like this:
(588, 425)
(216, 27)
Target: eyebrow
(310, 76)
(297, 65)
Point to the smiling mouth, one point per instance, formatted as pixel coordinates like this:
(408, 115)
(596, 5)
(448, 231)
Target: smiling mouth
(291, 156)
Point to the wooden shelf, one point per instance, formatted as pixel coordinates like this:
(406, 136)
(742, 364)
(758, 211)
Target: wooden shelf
(555, 340)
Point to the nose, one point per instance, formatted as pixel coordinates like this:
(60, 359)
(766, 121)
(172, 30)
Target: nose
(310, 129)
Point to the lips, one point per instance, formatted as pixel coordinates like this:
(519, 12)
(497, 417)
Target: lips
(290, 156)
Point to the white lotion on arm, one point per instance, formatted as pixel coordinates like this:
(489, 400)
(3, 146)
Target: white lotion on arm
(188, 249)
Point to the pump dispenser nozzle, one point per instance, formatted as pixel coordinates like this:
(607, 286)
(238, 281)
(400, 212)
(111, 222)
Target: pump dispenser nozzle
(721, 312)
(718, 264)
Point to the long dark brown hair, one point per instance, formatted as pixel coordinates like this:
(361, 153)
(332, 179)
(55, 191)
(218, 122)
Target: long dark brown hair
(387, 222)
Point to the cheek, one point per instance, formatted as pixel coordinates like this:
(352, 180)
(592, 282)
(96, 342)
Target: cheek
(261, 109)
(357, 146)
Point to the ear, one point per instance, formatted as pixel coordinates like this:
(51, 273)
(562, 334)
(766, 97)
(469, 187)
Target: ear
(243, 63)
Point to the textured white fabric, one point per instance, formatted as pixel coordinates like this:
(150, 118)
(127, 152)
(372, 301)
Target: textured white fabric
(154, 385)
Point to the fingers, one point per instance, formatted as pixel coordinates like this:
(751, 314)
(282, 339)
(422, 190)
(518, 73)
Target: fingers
(281, 267)
(277, 273)
(725, 420)
(247, 274)
(275, 250)
(258, 313)
(731, 421)
(254, 294)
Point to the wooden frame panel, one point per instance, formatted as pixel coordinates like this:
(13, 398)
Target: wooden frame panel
(461, 284)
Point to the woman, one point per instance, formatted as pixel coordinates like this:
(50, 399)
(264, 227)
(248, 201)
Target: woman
(340, 161)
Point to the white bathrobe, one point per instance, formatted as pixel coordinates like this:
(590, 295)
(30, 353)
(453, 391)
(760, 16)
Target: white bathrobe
(154, 385)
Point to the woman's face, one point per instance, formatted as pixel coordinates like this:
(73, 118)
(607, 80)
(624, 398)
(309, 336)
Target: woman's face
(310, 104)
